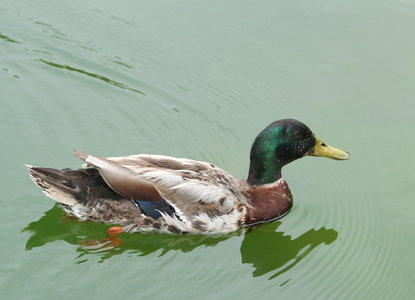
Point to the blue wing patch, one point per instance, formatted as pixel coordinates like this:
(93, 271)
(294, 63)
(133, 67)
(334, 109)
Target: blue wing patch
(153, 208)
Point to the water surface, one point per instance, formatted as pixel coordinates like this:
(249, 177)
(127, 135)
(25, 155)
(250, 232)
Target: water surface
(200, 79)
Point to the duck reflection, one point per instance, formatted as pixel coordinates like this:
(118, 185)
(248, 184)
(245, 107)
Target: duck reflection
(54, 226)
(269, 250)
(265, 248)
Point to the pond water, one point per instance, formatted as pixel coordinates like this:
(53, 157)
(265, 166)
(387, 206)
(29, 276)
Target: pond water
(201, 79)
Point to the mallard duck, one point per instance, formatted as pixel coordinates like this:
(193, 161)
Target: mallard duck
(145, 193)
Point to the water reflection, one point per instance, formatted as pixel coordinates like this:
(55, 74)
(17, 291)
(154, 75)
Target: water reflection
(53, 227)
(269, 250)
(265, 248)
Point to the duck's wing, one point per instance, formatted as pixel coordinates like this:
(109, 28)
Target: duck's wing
(190, 186)
(121, 179)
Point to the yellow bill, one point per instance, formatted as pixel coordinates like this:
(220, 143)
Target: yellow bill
(324, 150)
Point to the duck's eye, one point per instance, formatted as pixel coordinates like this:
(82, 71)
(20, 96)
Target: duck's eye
(298, 133)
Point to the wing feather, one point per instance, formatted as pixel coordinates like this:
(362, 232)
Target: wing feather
(192, 187)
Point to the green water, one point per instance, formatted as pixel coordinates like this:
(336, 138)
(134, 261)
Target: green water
(200, 79)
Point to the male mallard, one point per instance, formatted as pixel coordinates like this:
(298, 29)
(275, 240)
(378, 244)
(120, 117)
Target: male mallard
(178, 195)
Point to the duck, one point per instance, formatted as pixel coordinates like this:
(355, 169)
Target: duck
(156, 193)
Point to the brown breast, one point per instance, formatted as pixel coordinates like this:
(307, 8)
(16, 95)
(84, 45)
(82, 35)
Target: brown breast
(269, 202)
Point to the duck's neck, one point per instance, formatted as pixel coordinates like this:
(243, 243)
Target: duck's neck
(264, 171)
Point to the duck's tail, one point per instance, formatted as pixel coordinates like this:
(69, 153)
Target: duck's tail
(57, 184)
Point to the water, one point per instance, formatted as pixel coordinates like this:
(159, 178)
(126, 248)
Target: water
(200, 79)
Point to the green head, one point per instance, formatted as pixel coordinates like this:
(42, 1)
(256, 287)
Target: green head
(282, 142)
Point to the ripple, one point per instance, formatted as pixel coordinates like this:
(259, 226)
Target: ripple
(364, 244)
(97, 76)
(8, 39)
